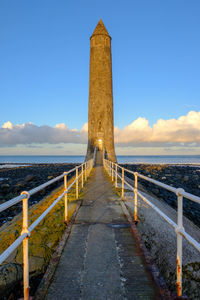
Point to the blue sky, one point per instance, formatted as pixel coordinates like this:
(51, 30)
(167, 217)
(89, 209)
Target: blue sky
(44, 59)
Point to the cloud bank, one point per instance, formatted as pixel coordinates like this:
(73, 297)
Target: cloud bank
(184, 131)
(11, 135)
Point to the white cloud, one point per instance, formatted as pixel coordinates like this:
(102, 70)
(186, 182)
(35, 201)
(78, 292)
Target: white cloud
(84, 128)
(182, 132)
(8, 125)
(61, 126)
(25, 134)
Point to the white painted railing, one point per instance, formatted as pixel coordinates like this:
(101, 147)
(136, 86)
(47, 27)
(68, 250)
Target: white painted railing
(85, 169)
(112, 169)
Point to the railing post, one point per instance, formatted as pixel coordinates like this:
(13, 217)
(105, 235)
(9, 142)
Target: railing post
(82, 175)
(179, 241)
(25, 246)
(76, 182)
(85, 171)
(116, 175)
(112, 169)
(135, 194)
(122, 183)
(65, 188)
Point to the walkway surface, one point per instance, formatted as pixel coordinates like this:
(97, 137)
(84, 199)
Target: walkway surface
(100, 259)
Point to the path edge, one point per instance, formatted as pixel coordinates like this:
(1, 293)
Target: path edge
(163, 290)
(42, 289)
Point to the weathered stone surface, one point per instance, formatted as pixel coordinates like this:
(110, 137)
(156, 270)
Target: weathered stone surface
(100, 117)
(160, 239)
(10, 275)
(30, 178)
(101, 261)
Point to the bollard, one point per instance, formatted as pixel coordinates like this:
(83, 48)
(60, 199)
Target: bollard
(76, 182)
(122, 183)
(135, 194)
(65, 198)
(25, 247)
(116, 175)
(179, 241)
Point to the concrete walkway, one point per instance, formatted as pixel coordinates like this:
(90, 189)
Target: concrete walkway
(100, 259)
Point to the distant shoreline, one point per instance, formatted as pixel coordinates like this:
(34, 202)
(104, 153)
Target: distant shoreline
(18, 165)
(128, 159)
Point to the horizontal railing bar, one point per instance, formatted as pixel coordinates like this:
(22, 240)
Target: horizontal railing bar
(69, 187)
(11, 202)
(163, 185)
(190, 239)
(129, 185)
(33, 191)
(72, 170)
(34, 224)
(12, 247)
(172, 223)
(41, 217)
(42, 186)
(191, 197)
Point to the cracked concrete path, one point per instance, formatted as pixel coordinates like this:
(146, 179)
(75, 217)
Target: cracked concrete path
(100, 259)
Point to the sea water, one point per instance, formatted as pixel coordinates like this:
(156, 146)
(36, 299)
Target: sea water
(148, 159)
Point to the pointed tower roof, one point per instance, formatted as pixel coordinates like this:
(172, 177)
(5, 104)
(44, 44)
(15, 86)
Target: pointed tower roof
(100, 29)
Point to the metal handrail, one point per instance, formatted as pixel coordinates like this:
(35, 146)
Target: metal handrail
(26, 230)
(33, 191)
(112, 169)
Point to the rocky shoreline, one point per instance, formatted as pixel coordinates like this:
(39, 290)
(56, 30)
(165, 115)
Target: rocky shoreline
(16, 179)
(178, 176)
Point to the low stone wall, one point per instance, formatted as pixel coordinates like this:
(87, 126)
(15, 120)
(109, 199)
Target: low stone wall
(160, 239)
(42, 242)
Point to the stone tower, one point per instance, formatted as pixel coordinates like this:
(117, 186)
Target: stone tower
(100, 116)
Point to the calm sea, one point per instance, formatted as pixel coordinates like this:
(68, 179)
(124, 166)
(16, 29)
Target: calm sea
(170, 159)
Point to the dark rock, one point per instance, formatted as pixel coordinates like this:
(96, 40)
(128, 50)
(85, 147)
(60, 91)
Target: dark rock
(29, 178)
(10, 275)
(155, 191)
(5, 186)
(185, 178)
